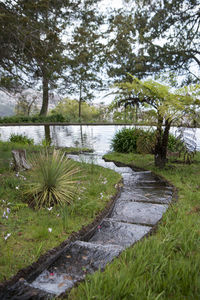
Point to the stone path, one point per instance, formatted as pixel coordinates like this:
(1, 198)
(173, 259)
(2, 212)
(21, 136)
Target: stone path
(144, 199)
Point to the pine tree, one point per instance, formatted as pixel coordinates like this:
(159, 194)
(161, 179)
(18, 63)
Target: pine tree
(85, 56)
(169, 35)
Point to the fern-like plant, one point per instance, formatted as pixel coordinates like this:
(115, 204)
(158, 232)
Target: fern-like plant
(52, 180)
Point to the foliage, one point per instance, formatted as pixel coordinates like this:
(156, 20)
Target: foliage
(52, 180)
(85, 58)
(152, 37)
(26, 103)
(121, 56)
(21, 139)
(140, 141)
(177, 24)
(43, 56)
(56, 117)
(172, 271)
(125, 141)
(69, 109)
(170, 106)
(146, 142)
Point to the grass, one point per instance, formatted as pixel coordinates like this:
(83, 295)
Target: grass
(166, 265)
(32, 231)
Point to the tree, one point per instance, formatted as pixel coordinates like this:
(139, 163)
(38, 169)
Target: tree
(27, 101)
(38, 48)
(85, 56)
(169, 36)
(121, 54)
(69, 109)
(169, 106)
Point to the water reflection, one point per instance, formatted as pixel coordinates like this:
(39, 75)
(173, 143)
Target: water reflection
(47, 134)
(97, 137)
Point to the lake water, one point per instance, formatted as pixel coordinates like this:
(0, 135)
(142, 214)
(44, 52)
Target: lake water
(96, 137)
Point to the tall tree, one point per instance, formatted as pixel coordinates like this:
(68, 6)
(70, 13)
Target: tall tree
(39, 27)
(85, 55)
(169, 35)
(121, 54)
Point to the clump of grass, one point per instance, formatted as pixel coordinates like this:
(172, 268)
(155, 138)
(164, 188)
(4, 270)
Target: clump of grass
(21, 139)
(52, 180)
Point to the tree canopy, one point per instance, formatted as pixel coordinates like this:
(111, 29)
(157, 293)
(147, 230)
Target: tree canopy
(32, 40)
(168, 35)
(169, 105)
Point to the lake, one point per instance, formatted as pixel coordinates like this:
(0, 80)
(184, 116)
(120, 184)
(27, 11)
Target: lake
(97, 137)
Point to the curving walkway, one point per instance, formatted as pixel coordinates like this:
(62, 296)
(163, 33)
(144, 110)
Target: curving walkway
(143, 200)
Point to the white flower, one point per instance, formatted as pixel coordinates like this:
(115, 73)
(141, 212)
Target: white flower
(49, 229)
(50, 208)
(7, 236)
(17, 174)
(105, 181)
(17, 187)
(58, 215)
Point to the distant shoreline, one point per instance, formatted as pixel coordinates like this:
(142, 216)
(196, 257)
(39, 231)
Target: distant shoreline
(85, 124)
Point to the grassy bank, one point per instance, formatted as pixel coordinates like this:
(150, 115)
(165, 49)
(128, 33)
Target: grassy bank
(25, 233)
(165, 265)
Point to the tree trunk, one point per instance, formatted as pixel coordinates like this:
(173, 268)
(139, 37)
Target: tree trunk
(160, 157)
(80, 99)
(47, 135)
(45, 98)
(19, 160)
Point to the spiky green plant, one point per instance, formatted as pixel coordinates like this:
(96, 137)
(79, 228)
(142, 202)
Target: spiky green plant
(52, 180)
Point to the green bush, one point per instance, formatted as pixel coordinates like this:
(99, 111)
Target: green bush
(125, 140)
(140, 141)
(57, 117)
(174, 144)
(21, 139)
(146, 142)
(52, 180)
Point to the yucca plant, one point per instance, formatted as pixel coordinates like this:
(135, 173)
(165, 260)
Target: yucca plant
(52, 180)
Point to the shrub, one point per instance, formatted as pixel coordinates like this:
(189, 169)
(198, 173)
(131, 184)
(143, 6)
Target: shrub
(140, 141)
(52, 180)
(146, 142)
(174, 144)
(125, 140)
(21, 139)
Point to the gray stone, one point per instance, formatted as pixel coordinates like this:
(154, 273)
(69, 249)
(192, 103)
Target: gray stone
(112, 232)
(81, 258)
(139, 213)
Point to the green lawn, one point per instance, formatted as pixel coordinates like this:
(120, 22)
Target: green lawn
(165, 265)
(25, 233)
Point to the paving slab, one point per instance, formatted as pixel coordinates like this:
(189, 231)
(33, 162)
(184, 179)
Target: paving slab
(159, 196)
(118, 233)
(138, 213)
(81, 258)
